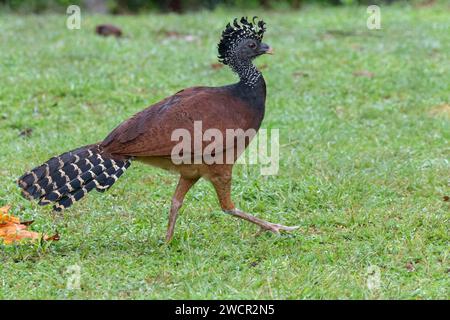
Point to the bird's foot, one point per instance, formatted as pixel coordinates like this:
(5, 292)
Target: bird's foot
(264, 225)
(276, 228)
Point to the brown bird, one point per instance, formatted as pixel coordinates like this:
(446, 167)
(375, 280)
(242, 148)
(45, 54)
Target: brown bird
(148, 136)
(108, 30)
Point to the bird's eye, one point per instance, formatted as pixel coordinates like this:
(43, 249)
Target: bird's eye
(252, 45)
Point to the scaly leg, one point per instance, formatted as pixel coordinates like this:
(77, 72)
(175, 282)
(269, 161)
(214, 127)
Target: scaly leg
(177, 200)
(222, 184)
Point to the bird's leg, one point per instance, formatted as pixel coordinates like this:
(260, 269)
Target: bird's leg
(177, 200)
(222, 184)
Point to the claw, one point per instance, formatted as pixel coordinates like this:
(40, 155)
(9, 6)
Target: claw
(275, 228)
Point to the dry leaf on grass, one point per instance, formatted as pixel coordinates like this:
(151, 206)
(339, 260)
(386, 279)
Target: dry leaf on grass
(216, 66)
(363, 73)
(442, 110)
(5, 217)
(178, 35)
(300, 74)
(410, 266)
(26, 132)
(12, 230)
(108, 30)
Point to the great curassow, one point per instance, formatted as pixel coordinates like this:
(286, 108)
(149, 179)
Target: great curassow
(147, 136)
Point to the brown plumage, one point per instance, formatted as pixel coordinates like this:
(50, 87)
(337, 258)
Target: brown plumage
(147, 137)
(108, 30)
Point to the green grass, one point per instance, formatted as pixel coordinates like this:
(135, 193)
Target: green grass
(364, 162)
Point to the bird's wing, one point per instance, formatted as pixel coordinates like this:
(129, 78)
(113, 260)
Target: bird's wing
(149, 132)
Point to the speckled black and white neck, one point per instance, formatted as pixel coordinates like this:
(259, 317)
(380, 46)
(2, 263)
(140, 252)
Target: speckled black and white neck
(247, 72)
(251, 86)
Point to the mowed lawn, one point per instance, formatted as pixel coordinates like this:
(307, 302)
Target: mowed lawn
(364, 158)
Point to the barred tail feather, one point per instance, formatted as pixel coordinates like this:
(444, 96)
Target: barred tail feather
(101, 183)
(67, 178)
(62, 173)
(29, 181)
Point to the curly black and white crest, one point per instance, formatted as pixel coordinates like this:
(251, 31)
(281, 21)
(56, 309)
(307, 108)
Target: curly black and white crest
(233, 34)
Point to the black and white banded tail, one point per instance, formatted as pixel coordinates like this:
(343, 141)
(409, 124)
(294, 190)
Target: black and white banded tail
(67, 178)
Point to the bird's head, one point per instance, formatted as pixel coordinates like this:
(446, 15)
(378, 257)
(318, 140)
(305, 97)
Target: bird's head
(243, 41)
